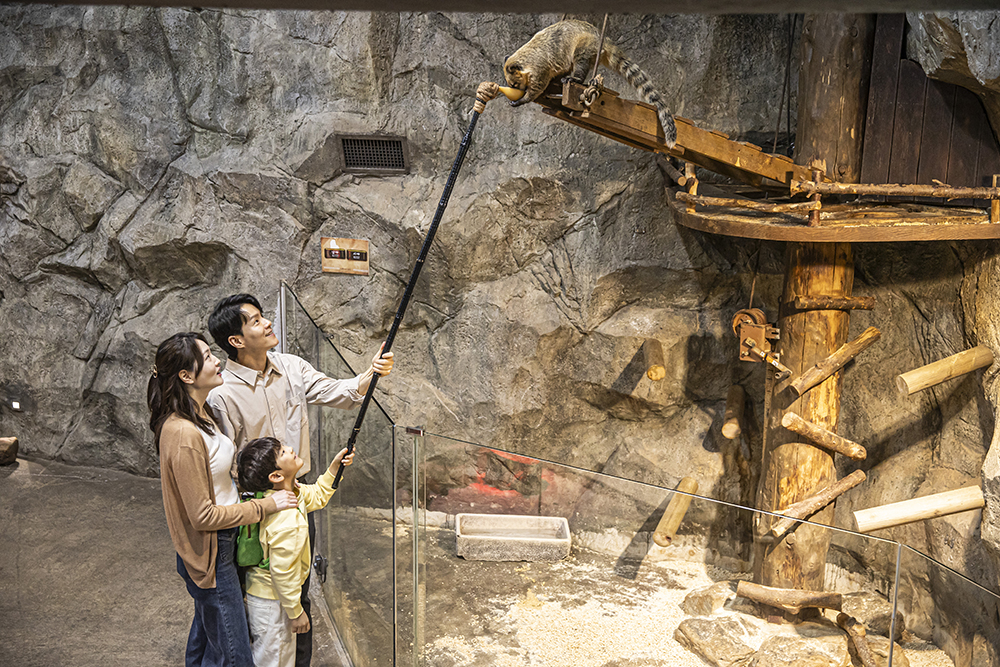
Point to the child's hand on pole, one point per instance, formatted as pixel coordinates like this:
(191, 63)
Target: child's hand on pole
(343, 456)
(300, 624)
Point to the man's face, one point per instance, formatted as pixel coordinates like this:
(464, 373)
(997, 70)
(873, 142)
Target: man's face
(257, 334)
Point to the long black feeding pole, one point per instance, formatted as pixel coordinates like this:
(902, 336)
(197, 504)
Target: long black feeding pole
(462, 149)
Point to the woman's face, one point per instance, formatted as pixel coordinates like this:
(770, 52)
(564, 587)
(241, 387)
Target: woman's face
(210, 375)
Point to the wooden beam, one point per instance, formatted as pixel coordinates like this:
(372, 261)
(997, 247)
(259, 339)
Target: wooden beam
(943, 370)
(893, 190)
(789, 599)
(804, 508)
(823, 437)
(732, 424)
(824, 369)
(834, 302)
(750, 204)
(918, 509)
(672, 517)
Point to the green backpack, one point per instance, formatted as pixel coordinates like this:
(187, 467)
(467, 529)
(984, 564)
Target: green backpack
(249, 551)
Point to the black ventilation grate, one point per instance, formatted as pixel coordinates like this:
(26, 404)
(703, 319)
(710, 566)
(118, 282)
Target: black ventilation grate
(381, 154)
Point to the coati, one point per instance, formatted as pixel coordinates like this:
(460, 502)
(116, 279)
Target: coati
(568, 48)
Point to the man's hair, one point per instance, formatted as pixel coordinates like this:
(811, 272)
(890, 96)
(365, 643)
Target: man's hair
(256, 462)
(227, 320)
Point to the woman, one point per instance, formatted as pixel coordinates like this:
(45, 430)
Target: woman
(200, 498)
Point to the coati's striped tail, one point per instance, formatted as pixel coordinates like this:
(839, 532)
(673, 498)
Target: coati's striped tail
(617, 61)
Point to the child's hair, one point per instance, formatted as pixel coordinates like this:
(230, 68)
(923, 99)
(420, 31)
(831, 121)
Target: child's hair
(227, 320)
(256, 462)
(165, 393)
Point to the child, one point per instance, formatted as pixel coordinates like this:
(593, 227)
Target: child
(273, 594)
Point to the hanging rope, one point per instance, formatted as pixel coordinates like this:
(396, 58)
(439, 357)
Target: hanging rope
(792, 20)
(590, 95)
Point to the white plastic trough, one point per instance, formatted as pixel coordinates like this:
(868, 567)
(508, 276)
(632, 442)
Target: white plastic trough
(511, 537)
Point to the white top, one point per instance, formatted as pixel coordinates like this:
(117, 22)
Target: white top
(221, 452)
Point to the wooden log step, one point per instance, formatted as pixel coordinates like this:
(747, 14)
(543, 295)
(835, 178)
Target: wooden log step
(805, 508)
(944, 369)
(834, 302)
(732, 425)
(652, 352)
(672, 517)
(823, 437)
(892, 190)
(789, 599)
(833, 363)
(918, 509)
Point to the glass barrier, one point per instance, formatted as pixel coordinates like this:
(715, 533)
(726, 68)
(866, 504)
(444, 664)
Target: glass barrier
(961, 628)
(519, 561)
(355, 531)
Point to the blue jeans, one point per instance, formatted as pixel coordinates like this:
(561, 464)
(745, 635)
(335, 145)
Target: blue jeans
(219, 635)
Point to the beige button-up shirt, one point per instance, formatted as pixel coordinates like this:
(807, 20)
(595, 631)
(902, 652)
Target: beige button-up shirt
(251, 404)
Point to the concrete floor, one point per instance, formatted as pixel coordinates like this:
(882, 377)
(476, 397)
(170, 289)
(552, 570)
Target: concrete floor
(87, 573)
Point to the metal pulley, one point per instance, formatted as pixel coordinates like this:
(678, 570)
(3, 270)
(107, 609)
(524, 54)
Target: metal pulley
(755, 336)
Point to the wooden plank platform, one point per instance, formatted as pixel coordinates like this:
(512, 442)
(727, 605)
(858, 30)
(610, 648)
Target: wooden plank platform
(865, 222)
(636, 124)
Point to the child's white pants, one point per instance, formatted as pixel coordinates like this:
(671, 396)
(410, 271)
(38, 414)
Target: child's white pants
(271, 631)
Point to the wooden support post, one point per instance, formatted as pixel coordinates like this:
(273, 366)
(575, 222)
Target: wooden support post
(804, 508)
(732, 425)
(652, 353)
(918, 509)
(834, 303)
(824, 369)
(822, 437)
(943, 370)
(855, 629)
(995, 204)
(674, 514)
(789, 599)
(692, 183)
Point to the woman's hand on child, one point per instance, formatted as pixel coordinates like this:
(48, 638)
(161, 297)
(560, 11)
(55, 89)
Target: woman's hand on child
(342, 455)
(300, 624)
(382, 365)
(285, 500)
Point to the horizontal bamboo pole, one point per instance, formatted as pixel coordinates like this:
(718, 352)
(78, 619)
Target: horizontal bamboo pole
(674, 514)
(943, 370)
(834, 302)
(823, 437)
(834, 362)
(751, 204)
(789, 598)
(918, 509)
(893, 190)
(804, 508)
(732, 425)
(673, 172)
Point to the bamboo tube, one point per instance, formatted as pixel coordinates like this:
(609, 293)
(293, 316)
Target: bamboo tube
(943, 370)
(673, 172)
(834, 362)
(892, 190)
(856, 631)
(822, 437)
(652, 352)
(674, 514)
(834, 302)
(918, 509)
(995, 204)
(789, 599)
(735, 401)
(804, 508)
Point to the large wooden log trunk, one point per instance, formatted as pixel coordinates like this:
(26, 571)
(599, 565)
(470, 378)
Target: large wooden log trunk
(793, 469)
(833, 83)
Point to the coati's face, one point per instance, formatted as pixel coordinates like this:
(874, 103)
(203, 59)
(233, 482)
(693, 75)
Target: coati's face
(517, 77)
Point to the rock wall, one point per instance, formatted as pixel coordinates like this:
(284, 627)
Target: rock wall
(151, 162)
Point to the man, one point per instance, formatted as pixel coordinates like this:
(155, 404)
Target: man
(265, 394)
